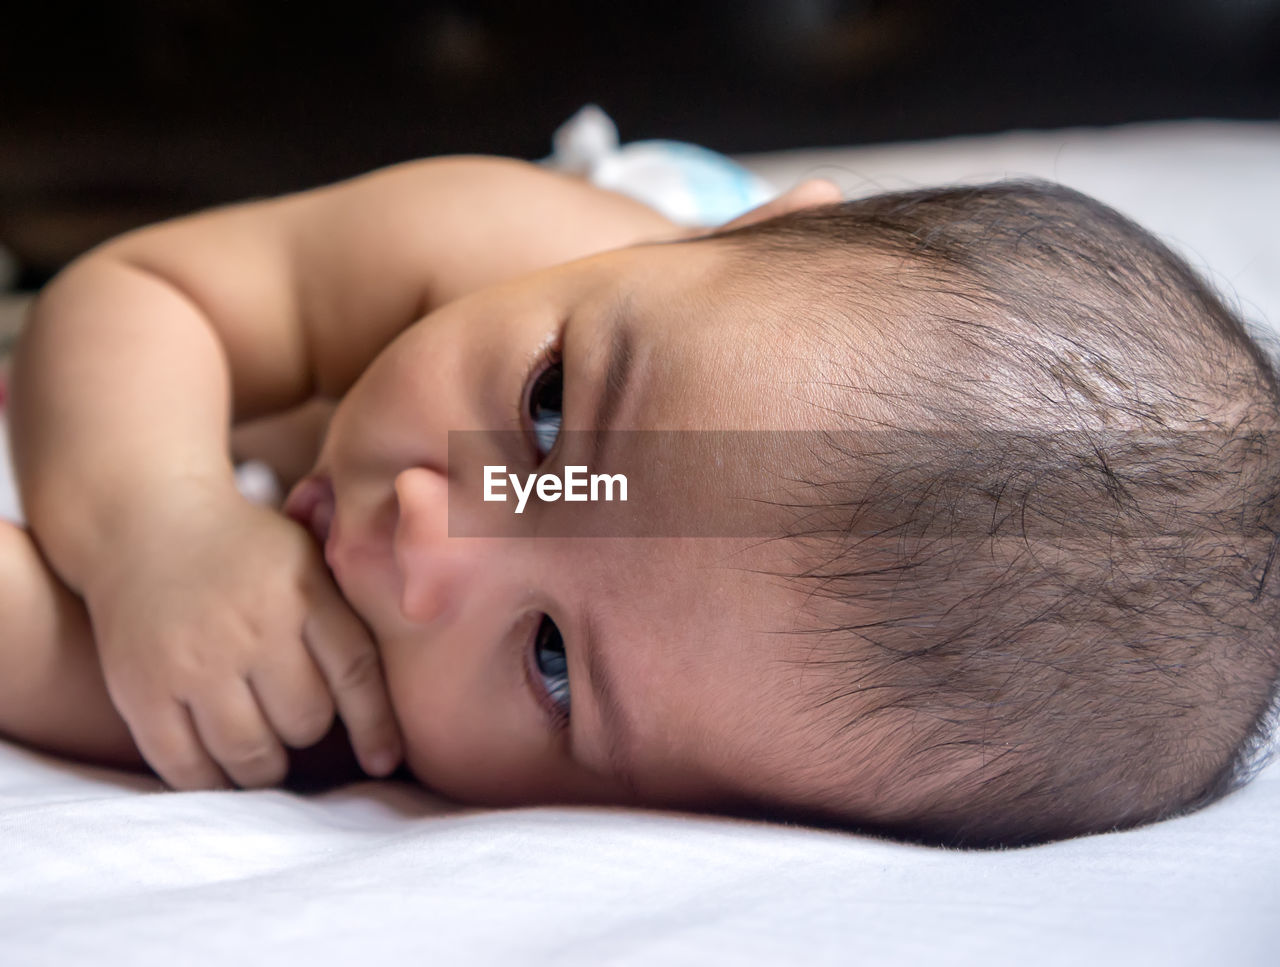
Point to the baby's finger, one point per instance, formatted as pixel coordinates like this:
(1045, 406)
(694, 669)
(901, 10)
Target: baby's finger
(294, 697)
(233, 729)
(169, 743)
(349, 661)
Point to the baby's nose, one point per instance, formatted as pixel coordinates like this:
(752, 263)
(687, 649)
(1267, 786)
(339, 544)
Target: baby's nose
(436, 571)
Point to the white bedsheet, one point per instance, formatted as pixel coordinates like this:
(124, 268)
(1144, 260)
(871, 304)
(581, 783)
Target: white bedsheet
(102, 867)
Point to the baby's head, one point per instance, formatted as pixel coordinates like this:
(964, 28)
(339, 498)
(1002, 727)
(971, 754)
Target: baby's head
(1018, 580)
(1042, 572)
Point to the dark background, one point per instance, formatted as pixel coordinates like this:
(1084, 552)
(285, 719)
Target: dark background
(115, 114)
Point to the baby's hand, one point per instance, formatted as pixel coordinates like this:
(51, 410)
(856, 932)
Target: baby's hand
(223, 638)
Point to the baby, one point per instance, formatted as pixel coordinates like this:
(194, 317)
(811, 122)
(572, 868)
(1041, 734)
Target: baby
(1013, 505)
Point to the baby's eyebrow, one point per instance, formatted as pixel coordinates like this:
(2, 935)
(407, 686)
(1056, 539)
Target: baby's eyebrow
(615, 725)
(613, 389)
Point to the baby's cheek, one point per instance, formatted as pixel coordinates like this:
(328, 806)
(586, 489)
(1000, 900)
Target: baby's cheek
(488, 751)
(408, 702)
(443, 739)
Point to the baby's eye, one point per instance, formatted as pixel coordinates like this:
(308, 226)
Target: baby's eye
(544, 404)
(553, 669)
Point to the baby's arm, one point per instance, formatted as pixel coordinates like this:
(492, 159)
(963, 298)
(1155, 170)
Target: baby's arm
(342, 269)
(51, 691)
(138, 357)
(52, 695)
(137, 353)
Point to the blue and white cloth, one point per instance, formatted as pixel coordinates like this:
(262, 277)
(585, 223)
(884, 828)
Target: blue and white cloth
(689, 184)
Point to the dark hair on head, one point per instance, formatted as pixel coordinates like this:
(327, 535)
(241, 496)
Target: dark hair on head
(1041, 565)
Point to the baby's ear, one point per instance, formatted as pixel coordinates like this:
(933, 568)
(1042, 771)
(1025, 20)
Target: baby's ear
(808, 194)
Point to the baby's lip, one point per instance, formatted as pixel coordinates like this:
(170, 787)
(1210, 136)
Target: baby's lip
(310, 503)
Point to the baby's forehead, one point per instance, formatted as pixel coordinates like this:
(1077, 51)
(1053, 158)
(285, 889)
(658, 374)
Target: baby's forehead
(725, 681)
(697, 605)
(710, 358)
